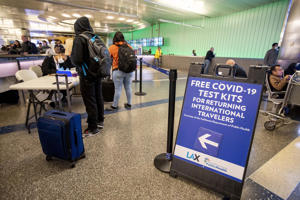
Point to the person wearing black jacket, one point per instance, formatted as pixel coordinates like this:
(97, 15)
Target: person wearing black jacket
(271, 56)
(16, 48)
(27, 46)
(238, 71)
(90, 87)
(49, 65)
(209, 56)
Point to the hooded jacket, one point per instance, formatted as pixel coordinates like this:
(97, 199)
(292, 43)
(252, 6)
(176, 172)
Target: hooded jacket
(80, 52)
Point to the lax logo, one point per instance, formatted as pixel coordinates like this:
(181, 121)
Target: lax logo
(193, 156)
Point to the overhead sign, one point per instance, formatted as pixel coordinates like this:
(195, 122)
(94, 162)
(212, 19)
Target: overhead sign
(217, 124)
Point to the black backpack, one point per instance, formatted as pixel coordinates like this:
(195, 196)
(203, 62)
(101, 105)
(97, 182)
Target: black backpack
(127, 58)
(100, 60)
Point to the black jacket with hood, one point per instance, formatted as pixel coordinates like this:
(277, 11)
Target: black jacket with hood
(80, 52)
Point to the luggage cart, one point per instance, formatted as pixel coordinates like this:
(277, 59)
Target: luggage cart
(292, 97)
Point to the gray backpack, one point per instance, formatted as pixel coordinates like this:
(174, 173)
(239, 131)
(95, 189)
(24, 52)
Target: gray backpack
(100, 60)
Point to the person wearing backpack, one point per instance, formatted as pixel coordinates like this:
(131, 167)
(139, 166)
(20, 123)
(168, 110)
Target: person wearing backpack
(124, 63)
(92, 61)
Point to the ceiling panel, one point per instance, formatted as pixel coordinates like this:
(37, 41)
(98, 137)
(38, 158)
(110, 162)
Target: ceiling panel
(140, 13)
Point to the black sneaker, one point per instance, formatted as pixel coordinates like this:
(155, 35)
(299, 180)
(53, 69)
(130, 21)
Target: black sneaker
(111, 108)
(100, 125)
(127, 106)
(88, 132)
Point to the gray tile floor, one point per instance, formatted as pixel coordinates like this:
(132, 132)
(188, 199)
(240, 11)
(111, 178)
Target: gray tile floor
(119, 162)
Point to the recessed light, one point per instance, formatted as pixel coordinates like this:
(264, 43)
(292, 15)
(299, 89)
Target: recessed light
(97, 24)
(88, 16)
(76, 15)
(65, 15)
(129, 20)
(51, 17)
(110, 17)
(121, 18)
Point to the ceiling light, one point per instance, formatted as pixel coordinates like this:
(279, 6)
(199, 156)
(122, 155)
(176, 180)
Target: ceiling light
(76, 15)
(88, 16)
(121, 18)
(51, 17)
(110, 17)
(195, 6)
(65, 15)
(97, 24)
(129, 20)
(179, 23)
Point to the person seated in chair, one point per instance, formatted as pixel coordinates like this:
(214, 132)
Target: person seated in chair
(292, 68)
(63, 60)
(49, 65)
(238, 71)
(276, 79)
(56, 60)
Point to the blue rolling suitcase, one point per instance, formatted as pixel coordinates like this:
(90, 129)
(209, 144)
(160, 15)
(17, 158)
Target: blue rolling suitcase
(60, 135)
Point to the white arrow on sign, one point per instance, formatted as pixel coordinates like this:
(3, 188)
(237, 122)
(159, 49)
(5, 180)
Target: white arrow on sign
(203, 139)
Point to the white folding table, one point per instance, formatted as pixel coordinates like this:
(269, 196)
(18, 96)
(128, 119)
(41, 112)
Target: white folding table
(43, 83)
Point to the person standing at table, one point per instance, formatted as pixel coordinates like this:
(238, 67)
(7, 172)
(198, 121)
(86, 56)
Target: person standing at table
(209, 56)
(90, 87)
(157, 56)
(271, 56)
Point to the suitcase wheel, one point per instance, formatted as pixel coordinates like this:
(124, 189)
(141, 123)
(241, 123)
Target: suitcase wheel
(73, 165)
(48, 158)
(83, 155)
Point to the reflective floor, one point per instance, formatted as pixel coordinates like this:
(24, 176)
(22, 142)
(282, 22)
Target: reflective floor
(119, 162)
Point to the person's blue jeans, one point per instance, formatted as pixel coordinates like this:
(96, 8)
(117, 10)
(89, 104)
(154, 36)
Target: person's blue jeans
(119, 79)
(156, 62)
(206, 66)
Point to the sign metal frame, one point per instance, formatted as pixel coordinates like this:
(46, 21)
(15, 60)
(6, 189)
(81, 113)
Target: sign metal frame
(217, 182)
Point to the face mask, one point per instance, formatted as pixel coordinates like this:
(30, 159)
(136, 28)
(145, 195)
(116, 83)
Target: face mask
(60, 60)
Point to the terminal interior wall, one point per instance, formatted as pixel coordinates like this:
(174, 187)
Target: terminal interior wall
(245, 34)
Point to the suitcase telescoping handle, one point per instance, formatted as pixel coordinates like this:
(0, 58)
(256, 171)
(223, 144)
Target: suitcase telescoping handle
(67, 90)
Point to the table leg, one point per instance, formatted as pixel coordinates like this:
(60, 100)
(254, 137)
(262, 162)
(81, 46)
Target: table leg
(27, 115)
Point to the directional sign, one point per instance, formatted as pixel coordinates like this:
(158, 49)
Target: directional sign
(207, 141)
(203, 140)
(216, 124)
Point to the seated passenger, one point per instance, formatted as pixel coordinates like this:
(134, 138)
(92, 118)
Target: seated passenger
(16, 48)
(58, 43)
(63, 60)
(27, 46)
(277, 81)
(292, 68)
(238, 71)
(55, 61)
(49, 65)
(45, 47)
